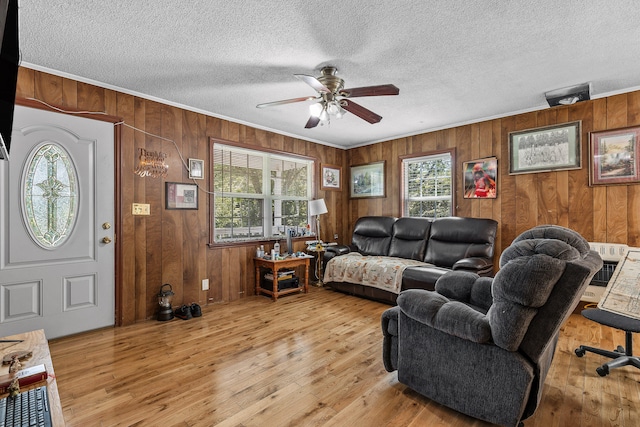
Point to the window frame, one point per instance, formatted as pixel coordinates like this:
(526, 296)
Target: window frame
(402, 159)
(267, 154)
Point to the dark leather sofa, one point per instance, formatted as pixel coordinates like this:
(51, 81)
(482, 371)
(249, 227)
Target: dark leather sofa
(443, 244)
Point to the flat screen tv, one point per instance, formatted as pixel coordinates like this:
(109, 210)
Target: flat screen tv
(9, 59)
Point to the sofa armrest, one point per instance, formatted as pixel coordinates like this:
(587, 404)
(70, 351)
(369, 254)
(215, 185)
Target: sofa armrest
(479, 265)
(451, 317)
(334, 251)
(338, 249)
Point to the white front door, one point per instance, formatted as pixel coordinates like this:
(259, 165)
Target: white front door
(56, 225)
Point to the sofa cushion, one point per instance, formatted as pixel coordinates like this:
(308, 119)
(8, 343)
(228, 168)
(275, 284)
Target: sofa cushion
(409, 238)
(452, 239)
(372, 235)
(378, 271)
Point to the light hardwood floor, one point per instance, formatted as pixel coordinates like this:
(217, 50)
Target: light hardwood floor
(305, 360)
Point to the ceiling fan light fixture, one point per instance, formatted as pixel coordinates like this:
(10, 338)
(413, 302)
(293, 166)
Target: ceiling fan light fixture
(334, 109)
(316, 109)
(331, 99)
(324, 115)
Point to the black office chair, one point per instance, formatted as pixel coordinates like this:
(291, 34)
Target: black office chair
(622, 356)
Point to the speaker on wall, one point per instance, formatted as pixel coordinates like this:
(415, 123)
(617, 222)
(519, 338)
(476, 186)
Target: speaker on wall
(9, 60)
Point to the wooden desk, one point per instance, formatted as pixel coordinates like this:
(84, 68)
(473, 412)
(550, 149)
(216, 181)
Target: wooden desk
(275, 266)
(37, 343)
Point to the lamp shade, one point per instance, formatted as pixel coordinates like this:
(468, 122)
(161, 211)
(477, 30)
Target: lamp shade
(317, 207)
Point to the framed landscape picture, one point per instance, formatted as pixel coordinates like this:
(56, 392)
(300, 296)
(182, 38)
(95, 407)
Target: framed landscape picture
(544, 149)
(614, 156)
(367, 180)
(330, 177)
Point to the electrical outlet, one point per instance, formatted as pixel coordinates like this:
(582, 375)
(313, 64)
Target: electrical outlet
(335, 236)
(205, 284)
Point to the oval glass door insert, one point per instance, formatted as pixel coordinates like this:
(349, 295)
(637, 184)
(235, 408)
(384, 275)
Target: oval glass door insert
(50, 195)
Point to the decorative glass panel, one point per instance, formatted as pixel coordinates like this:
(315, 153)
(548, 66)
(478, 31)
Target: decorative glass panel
(50, 195)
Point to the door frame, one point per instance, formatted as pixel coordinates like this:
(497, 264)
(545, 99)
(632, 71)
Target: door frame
(117, 181)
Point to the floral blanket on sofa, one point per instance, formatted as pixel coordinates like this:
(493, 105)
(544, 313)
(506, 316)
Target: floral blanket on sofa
(378, 271)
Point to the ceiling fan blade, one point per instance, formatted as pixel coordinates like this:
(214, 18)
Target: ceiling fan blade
(312, 122)
(360, 111)
(286, 101)
(313, 82)
(370, 91)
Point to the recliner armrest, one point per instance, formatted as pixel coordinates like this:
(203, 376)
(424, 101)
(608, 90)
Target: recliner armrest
(451, 317)
(478, 265)
(466, 287)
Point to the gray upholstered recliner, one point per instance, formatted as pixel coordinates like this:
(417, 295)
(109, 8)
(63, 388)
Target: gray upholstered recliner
(483, 346)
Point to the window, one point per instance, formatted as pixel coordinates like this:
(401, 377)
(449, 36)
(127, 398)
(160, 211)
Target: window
(428, 185)
(258, 194)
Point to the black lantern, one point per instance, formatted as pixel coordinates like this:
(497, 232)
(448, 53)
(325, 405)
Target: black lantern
(165, 312)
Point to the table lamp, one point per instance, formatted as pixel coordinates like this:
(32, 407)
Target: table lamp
(316, 208)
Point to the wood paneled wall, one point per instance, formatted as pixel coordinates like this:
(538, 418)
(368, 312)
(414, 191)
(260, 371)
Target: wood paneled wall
(171, 246)
(600, 213)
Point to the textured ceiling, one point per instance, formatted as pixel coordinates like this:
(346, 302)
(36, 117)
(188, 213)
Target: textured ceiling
(454, 61)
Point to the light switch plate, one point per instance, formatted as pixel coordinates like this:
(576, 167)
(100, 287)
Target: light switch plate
(141, 209)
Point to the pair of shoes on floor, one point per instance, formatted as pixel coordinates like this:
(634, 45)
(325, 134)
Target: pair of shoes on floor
(196, 311)
(186, 312)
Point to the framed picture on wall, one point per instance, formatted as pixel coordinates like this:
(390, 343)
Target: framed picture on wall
(367, 180)
(480, 178)
(614, 156)
(196, 169)
(181, 196)
(544, 149)
(330, 177)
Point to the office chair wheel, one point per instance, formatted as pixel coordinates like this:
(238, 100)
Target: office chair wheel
(580, 352)
(619, 349)
(602, 370)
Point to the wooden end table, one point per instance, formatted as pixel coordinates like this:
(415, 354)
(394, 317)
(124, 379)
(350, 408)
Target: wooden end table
(275, 266)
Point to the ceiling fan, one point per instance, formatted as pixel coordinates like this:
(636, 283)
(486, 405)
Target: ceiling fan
(333, 100)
